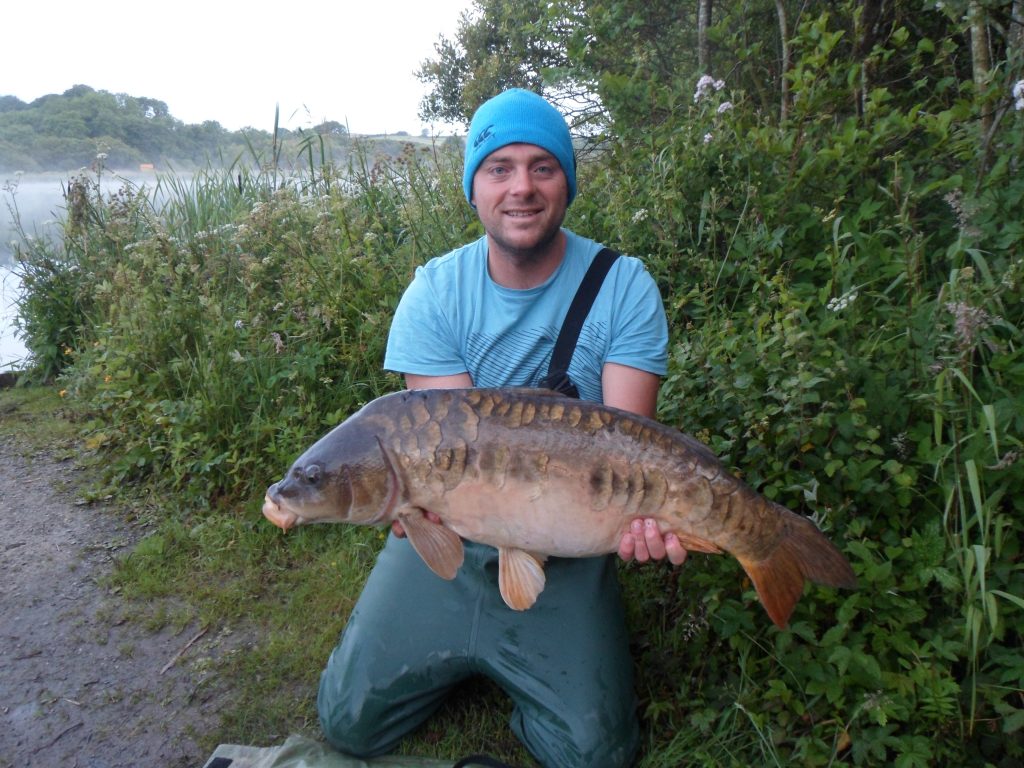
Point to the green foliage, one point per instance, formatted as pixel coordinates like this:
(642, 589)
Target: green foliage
(500, 44)
(68, 131)
(848, 325)
(210, 344)
(844, 284)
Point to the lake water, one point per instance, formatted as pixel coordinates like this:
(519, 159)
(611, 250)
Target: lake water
(37, 200)
(12, 350)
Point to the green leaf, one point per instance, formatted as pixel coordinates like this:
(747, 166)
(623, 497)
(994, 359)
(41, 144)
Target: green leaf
(1015, 599)
(1013, 722)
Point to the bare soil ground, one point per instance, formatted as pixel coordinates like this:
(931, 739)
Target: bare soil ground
(80, 684)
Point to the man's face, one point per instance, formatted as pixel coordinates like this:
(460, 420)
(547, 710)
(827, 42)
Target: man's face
(520, 193)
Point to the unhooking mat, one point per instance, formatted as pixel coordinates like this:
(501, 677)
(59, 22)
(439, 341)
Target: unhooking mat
(300, 752)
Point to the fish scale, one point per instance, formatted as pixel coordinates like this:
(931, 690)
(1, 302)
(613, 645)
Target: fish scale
(536, 474)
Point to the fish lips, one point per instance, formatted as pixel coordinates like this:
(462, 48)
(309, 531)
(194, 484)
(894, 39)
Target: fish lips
(275, 513)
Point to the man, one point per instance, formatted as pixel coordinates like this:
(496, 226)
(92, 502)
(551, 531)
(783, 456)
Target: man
(488, 315)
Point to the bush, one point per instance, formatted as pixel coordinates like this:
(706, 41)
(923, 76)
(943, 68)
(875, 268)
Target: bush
(845, 298)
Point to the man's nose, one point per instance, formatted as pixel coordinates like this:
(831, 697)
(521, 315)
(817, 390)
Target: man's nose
(522, 182)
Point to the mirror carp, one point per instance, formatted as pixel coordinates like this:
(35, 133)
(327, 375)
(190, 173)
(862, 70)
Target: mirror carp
(536, 474)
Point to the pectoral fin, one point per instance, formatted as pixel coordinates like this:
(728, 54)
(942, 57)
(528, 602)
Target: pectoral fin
(440, 547)
(520, 578)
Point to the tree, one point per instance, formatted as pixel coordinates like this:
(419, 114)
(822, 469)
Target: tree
(590, 57)
(331, 128)
(61, 131)
(703, 46)
(11, 104)
(499, 44)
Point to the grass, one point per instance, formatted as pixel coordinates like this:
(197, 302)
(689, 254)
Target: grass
(36, 416)
(281, 599)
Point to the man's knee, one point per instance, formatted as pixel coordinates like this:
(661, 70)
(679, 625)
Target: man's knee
(589, 742)
(364, 716)
(346, 723)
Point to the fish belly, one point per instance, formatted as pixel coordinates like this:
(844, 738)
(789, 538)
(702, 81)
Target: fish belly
(556, 521)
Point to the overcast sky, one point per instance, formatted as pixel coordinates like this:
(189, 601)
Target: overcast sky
(233, 61)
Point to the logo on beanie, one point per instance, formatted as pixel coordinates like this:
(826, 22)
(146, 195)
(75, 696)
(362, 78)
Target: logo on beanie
(485, 134)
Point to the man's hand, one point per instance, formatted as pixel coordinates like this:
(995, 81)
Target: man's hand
(644, 542)
(399, 531)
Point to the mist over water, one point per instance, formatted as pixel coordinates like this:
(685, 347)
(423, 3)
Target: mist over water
(12, 351)
(37, 200)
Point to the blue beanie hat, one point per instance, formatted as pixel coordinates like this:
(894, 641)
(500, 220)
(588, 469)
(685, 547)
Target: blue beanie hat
(518, 116)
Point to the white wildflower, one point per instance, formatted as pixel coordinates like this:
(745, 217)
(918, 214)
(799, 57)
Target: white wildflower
(965, 209)
(968, 322)
(101, 156)
(1018, 95)
(842, 302)
(724, 107)
(704, 86)
(239, 325)
(640, 215)
(708, 137)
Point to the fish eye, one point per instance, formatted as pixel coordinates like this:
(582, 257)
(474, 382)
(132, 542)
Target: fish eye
(312, 473)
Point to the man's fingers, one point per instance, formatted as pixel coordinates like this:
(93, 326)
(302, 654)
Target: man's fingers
(644, 541)
(640, 552)
(676, 551)
(399, 531)
(627, 546)
(652, 537)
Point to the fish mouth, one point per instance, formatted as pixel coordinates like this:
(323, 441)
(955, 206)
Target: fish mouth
(282, 518)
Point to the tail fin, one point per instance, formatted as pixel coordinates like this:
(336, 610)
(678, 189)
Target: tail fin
(803, 553)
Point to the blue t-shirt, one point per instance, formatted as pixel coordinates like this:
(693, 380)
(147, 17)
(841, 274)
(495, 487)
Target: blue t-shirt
(453, 318)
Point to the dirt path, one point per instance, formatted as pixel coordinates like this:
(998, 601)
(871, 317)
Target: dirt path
(79, 684)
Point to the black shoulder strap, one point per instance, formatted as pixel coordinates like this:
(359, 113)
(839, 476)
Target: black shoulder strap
(565, 345)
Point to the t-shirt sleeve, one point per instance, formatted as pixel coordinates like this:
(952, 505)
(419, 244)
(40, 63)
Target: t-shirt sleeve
(640, 334)
(421, 340)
